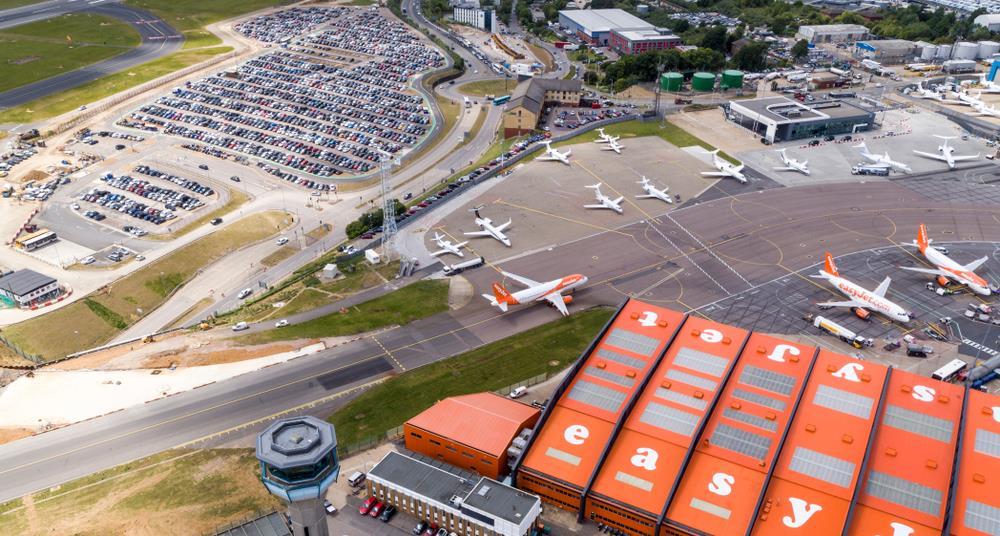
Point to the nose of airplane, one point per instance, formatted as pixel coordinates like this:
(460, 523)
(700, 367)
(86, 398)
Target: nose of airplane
(583, 280)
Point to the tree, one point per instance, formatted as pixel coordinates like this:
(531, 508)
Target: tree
(715, 38)
(752, 57)
(800, 49)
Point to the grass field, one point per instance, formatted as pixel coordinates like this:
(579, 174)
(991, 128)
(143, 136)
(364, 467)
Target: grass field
(670, 132)
(412, 302)
(105, 313)
(72, 99)
(488, 87)
(149, 497)
(543, 56)
(7, 4)
(40, 50)
(236, 199)
(275, 258)
(488, 368)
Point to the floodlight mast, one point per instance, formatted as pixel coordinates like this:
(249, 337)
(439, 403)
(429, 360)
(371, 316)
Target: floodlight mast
(388, 205)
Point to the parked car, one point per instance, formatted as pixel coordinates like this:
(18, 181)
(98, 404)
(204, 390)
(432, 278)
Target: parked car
(329, 507)
(240, 326)
(282, 241)
(244, 293)
(216, 221)
(431, 530)
(234, 178)
(367, 505)
(281, 323)
(387, 514)
(377, 509)
(421, 527)
(203, 167)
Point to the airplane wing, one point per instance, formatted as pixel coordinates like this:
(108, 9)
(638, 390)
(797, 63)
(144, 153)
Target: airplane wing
(556, 300)
(522, 280)
(438, 252)
(972, 266)
(931, 271)
(618, 201)
(502, 228)
(546, 158)
(785, 168)
(849, 303)
(478, 233)
(882, 287)
(714, 174)
(964, 158)
(931, 155)
(596, 206)
(645, 196)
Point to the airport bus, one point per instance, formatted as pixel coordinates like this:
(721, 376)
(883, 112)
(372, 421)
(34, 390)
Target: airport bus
(950, 370)
(501, 100)
(36, 240)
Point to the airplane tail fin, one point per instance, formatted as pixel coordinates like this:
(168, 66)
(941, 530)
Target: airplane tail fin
(829, 266)
(437, 236)
(922, 241)
(501, 297)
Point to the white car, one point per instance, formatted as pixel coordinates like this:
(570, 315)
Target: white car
(75, 206)
(240, 326)
(282, 241)
(88, 260)
(281, 323)
(244, 293)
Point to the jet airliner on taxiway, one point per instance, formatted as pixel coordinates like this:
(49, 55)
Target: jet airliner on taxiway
(860, 297)
(947, 268)
(550, 291)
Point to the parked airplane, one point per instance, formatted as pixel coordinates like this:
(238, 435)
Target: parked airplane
(652, 192)
(860, 297)
(947, 268)
(791, 164)
(553, 154)
(550, 291)
(447, 247)
(488, 229)
(881, 160)
(945, 153)
(725, 168)
(988, 86)
(604, 138)
(940, 96)
(613, 145)
(604, 201)
(982, 109)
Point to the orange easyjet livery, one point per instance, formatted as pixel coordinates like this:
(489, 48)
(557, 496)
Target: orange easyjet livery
(946, 268)
(550, 291)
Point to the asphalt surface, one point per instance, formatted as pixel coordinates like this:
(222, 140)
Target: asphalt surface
(158, 39)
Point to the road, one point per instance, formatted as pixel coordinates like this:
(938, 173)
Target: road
(158, 39)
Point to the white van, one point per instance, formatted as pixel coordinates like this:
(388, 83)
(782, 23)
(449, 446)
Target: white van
(518, 392)
(240, 326)
(356, 478)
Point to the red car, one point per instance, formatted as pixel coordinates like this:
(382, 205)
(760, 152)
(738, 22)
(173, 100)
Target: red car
(431, 530)
(377, 509)
(367, 506)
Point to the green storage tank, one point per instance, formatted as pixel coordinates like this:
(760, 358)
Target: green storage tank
(732, 79)
(671, 81)
(703, 81)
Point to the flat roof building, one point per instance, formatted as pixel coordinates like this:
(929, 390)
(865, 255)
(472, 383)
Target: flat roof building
(631, 42)
(832, 33)
(28, 288)
(595, 25)
(887, 51)
(783, 119)
(473, 15)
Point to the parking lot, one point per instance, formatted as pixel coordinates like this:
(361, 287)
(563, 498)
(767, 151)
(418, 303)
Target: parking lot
(327, 104)
(560, 119)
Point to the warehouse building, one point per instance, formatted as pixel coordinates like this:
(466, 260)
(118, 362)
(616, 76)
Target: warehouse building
(452, 500)
(630, 42)
(783, 119)
(473, 432)
(887, 51)
(595, 25)
(832, 33)
(676, 425)
(473, 15)
(28, 288)
(529, 100)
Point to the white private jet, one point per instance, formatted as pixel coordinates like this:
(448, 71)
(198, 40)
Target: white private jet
(982, 109)
(653, 193)
(550, 291)
(605, 138)
(947, 268)
(935, 95)
(725, 168)
(604, 201)
(613, 145)
(945, 153)
(988, 86)
(881, 160)
(447, 247)
(553, 154)
(488, 229)
(860, 298)
(791, 164)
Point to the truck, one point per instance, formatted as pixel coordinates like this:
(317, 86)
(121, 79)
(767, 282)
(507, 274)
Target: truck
(840, 332)
(870, 170)
(468, 103)
(460, 267)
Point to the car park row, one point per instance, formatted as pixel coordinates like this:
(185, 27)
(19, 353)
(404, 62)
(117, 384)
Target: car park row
(189, 184)
(171, 199)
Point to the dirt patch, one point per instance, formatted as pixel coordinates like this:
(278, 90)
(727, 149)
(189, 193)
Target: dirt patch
(36, 175)
(217, 357)
(22, 61)
(8, 435)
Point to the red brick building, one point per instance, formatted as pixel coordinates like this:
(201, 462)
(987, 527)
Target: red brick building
(630, 42)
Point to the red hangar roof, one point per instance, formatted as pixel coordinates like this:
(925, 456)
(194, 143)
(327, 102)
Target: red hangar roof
(486, 422)
(584, 416)
(976, 511)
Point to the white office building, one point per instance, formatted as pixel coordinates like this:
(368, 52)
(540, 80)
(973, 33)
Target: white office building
(471, 15)
(832, 33)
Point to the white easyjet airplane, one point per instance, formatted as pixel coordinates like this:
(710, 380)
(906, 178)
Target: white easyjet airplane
(860, 297)
(604, 138)
(946, 153)
(613, 145)
(550, 291)
(552, 155)
(604, 201)
(947, 268)
(447, 247)
(881, 160)
(653, 193)
(791, 164)
(725, 168)
(488, 229)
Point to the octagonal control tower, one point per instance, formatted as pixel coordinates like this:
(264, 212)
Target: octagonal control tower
(298, 462)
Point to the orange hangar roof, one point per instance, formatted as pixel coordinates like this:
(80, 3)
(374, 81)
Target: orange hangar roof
(905, 489)
(816, 477)
(596, 394)
(725, 478)
(976, 502)
(643, 466)
(486, 422)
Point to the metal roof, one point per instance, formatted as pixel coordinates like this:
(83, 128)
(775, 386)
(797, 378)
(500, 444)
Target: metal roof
(270, 525)
(498, 500)
(296, 442)
(976, 509)
(604, 20)
(486, 422)
(23, 282)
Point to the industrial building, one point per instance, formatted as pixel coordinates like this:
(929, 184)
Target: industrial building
(529, 99)
(672, 424)
(990, 21)
(782, 119)
(452, 500)
(887, 51)
(630, 42)
(27, 288)
(473, 432)
(473, 15)
(832, 33)
(595, 25)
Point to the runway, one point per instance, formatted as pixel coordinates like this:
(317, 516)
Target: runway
(158, 39)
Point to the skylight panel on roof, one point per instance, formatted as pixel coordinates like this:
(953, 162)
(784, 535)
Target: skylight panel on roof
(621, 358)
(988, 443)
(632, 341)
(767, 380)
(691, 379)
(843, 401)
(982, 517)
(822, 467)
(918, 423)
(904, 493)
(667, 418)
(759, 399)
(741, 441)
(633, 481)
(681, 398)
(624, 381)
(596, 395)
(701, 361)
(748, 418)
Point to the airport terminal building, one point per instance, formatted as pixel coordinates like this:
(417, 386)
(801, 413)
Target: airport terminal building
(778, 119)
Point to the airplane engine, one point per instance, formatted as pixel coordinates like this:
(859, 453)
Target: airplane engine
(942, 280)
(567, 299)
